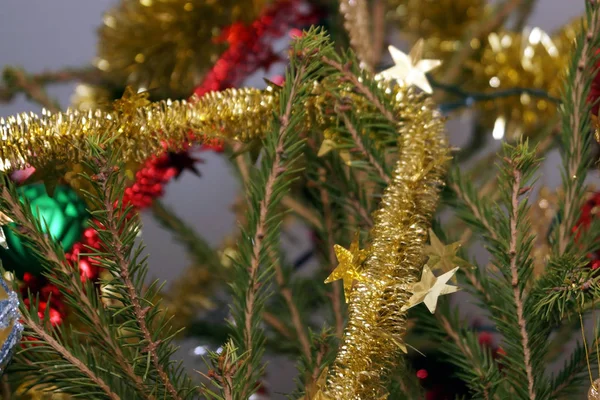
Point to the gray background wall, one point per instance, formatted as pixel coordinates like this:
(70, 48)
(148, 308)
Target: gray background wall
(47, 35)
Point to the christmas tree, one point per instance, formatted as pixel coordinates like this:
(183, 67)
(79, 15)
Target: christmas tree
(348, 147)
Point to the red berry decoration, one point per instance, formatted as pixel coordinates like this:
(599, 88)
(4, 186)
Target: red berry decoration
(422, 374)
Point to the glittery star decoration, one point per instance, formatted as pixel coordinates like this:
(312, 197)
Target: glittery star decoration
(430, 288)
(329, 145)
(410, 69)
(4, 219)
(314, 389)
(443, 256)
(347, 269)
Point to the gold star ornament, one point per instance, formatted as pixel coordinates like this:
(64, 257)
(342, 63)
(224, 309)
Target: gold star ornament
(429, 289)
(410, 69)
(349, 261)
(443, 256)
(314, 390)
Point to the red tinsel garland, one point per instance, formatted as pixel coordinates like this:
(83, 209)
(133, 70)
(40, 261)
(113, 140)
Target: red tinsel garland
(250, 48)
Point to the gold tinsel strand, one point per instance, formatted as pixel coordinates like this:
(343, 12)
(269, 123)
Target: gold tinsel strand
(376, 326)
(356, 21)
(49, 139)
(167, 44)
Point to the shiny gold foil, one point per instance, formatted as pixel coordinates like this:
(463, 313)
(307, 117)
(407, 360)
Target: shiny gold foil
(356, 21)
(376, 326)
(39, 141)
(531, 60)
(167, 44)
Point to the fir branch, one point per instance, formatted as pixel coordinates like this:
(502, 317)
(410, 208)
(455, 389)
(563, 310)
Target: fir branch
(10, 89)
(484, 374)
(474, 362)
(276, 324)
(18, 81)
(276, 169)
(576, 132)
(362, 88)
(307, 214)
(464, 191)
(111, 225)
(573, 373)
(282, 149)
(383, 175)
(517, 191)
(360, 210)
(40, 332)
(330, 241)
(286, 293)
(77, 296)
(134, 302)
(302, 211)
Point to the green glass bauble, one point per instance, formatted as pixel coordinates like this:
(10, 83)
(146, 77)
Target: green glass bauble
(64, 214)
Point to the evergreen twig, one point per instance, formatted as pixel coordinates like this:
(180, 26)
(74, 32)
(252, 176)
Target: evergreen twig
(336, 290)
(79, 297)
(362, 88)
(383, 175)
(67, 355)
(261, 226)
(576, 132)
(140, 311)
(19, 81)
(286, 293)
(517, 191)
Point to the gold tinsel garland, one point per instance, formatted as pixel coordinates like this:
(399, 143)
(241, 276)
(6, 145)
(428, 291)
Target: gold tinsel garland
(373, 337)
(49, 139)
(395, 257)
(356, 21)
(167, 44)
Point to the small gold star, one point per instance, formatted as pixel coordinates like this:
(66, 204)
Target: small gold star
(430, 288)
(314, 391)
(347, 269)
(329, 145)
(410, 69)
(442, 256)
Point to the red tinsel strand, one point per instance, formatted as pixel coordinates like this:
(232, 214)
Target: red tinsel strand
(251, 47)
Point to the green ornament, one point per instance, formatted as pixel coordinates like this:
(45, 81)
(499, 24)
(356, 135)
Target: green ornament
(64, 214)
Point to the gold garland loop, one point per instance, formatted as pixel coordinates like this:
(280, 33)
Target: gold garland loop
(394, 259)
